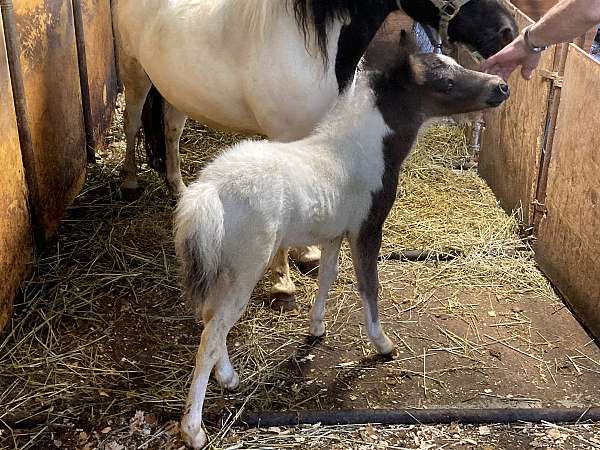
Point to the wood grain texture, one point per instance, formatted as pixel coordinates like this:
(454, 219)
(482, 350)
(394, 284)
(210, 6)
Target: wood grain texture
(15, 232)
(51, 78)
(568, 244)
(512, 141)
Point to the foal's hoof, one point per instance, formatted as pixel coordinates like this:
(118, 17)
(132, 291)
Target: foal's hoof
(229, 381)
(309, 267)
(193, 435)
(283, 302)
(317, 330)
(384, 345)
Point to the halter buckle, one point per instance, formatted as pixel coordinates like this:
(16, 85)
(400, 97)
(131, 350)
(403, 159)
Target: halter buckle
(449, 9)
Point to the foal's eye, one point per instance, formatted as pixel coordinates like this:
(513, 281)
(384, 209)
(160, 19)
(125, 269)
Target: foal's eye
(449, 85)
(443, 85)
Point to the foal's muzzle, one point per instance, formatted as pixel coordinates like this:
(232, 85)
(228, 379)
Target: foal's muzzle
(500, 92)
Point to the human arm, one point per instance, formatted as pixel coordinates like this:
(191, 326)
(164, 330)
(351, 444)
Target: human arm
(567, 20)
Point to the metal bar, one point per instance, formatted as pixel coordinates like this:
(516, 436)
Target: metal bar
(419, 416)
(84, 82)
(560, 59)
(13, 53)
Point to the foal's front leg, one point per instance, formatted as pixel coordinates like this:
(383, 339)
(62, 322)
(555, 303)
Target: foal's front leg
(328, 271)
(365, 250)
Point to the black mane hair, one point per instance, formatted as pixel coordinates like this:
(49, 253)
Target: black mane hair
(318, 15)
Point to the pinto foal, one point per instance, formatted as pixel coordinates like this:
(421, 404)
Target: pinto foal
(339, 182)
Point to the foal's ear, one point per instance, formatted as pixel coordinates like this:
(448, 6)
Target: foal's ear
(417, 69)
(403, 36)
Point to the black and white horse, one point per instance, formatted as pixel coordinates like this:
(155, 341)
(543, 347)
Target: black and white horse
(341, 181)
(273, 67)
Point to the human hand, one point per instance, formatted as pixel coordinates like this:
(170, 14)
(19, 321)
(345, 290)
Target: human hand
(510, 57)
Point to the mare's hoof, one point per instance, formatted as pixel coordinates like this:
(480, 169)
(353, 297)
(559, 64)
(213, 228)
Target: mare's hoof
(466, 164)
(131, 194)
(282, 302)
(176, 190)
(309, 267)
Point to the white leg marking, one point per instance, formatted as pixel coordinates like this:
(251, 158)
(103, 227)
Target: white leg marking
(328, 271)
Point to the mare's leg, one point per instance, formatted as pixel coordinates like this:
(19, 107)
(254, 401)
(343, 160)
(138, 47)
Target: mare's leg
(174, 123)
(137, 84)
(307, 257)
(328, 271)
(365, 250)
(283, 288)
(220, 311)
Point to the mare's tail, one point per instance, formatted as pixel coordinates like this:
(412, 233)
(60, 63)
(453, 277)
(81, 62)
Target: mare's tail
(153, 126)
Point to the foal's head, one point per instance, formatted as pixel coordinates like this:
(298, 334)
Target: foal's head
(414, 87)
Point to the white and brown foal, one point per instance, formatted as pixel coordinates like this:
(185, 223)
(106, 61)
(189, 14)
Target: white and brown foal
(339, 182)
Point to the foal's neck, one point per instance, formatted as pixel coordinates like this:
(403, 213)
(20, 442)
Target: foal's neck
(367, 118)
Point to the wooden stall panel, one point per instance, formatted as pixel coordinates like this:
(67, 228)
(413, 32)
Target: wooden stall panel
(15, 243)
(512, 141)
(568, 245)
(102, 78)
(51, 78)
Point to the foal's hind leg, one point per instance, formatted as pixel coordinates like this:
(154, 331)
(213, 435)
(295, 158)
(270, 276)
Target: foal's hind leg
(219, 314)
(174, 124)
(365, 250)
(137, 84)
(328, 271)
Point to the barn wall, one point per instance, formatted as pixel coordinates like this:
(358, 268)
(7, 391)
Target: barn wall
(45, 32)
(53, 96)
(512, 142)
(15, 242)
(568, 240)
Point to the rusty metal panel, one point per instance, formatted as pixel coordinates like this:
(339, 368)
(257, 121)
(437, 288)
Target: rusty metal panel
(15, 232)
(51, 78)
(102, 78)
(568, 240)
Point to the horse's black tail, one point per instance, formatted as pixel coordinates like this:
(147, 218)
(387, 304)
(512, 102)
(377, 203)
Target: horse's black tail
(153, 127)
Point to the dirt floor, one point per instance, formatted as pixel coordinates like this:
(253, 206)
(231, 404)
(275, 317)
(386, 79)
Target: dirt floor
(100, 351)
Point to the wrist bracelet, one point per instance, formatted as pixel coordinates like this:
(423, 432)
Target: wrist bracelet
(532, 48)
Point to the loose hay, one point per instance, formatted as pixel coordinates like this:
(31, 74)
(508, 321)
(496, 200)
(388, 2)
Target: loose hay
(101, 331)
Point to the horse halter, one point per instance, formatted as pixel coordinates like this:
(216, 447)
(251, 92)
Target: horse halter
(448, 10)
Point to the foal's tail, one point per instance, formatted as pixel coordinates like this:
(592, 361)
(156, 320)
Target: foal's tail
(199, 234)
(153, 126)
